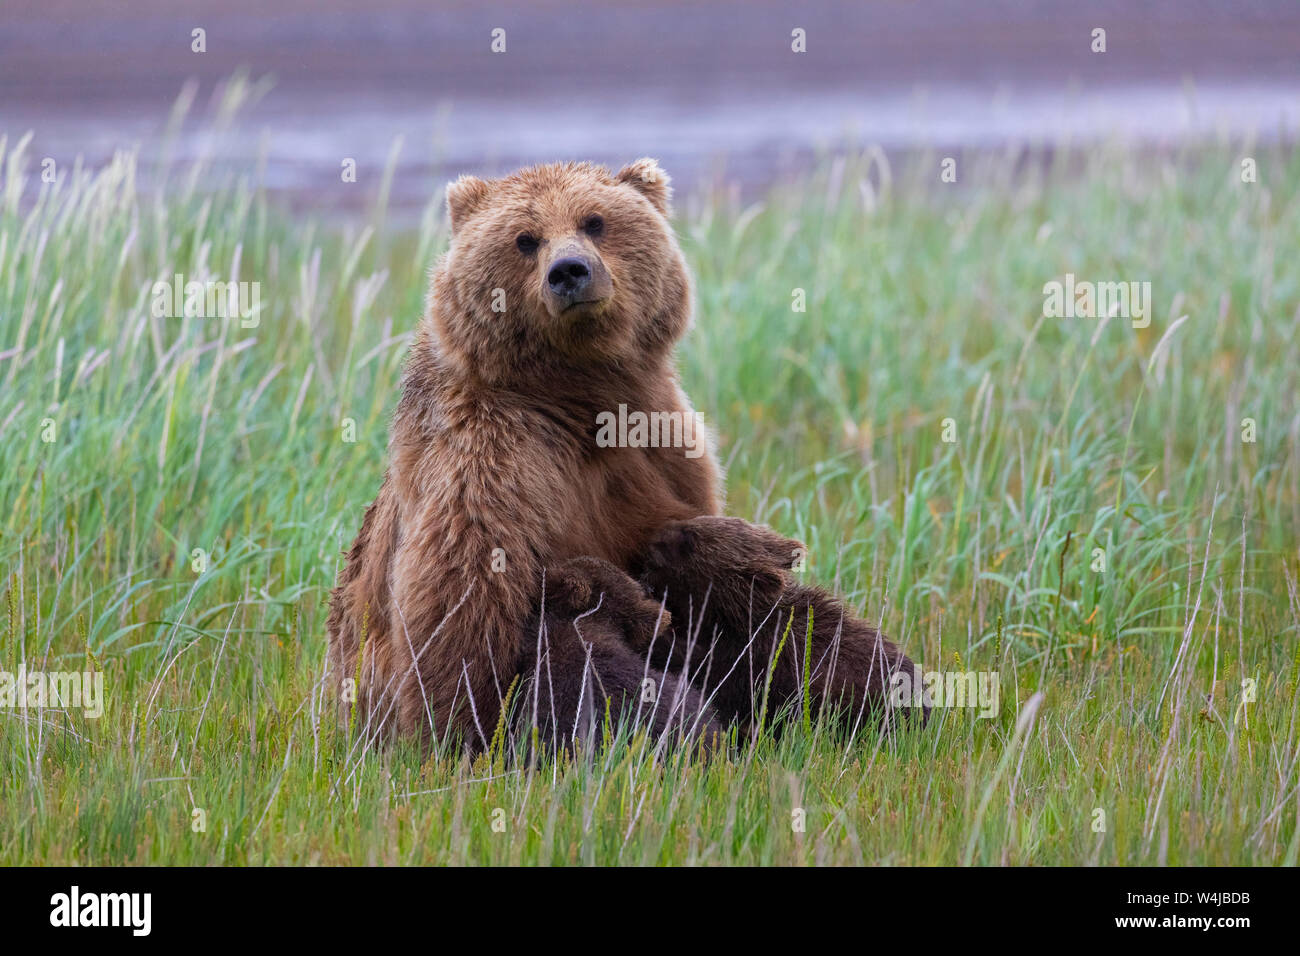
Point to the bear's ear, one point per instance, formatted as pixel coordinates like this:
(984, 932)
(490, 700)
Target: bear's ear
(784, 552)
(647, 178)
(465, 197)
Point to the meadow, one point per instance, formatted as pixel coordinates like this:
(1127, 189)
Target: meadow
(1104, 516)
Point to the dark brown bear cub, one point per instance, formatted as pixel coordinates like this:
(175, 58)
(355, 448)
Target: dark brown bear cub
(731, 598)
(593, 615)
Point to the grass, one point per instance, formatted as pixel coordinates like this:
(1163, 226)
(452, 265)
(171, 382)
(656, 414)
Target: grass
(1125, 734)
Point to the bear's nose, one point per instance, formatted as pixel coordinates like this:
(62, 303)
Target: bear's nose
(569, 276)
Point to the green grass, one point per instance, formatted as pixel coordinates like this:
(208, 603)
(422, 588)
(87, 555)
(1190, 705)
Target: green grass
(1122, 690)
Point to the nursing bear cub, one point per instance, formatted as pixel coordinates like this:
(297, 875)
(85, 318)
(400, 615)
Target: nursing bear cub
(751, 636)
(557, 307)
(593, 618)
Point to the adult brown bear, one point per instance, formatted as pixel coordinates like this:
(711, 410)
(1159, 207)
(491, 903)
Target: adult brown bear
(541, 429)
(556, 306)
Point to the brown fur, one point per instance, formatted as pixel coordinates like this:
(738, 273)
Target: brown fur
(492, 443)
(729, 580)
(584, 666)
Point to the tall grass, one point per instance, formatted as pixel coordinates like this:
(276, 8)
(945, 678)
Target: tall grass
(1125, 733)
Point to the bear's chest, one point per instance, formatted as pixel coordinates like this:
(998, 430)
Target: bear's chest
(577, 485)
(622, 495)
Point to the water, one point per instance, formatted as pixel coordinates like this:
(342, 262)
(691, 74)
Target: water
(711, 89)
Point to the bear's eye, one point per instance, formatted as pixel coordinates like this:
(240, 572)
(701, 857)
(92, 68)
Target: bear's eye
(593, 225)
(527, 244)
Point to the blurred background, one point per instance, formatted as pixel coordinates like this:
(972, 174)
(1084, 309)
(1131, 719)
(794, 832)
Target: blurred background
(711, 88)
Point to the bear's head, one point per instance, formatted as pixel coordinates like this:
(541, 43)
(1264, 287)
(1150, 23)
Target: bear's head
(559, 265)
(588, 587)
(726, 555)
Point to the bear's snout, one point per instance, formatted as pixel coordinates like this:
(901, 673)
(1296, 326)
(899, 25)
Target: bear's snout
(569, 276)
(574, 278)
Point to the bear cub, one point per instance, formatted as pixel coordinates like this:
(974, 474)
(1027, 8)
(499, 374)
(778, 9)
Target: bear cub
(593, 615)
(726, 585)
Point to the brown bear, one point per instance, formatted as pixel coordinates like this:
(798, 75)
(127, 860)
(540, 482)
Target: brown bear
(584, 667)
(726, 585)
(556, 306)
